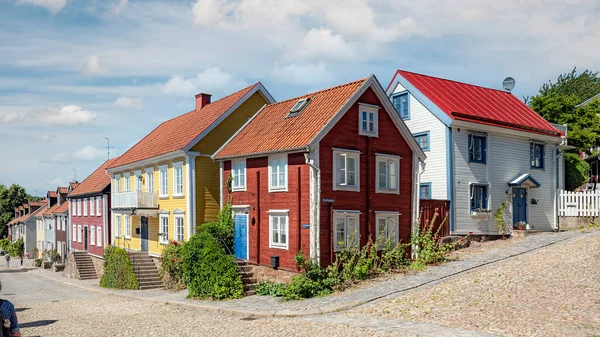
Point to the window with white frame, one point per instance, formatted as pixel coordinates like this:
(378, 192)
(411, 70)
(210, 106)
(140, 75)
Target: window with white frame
(163, 181)
(79, 230)
(92, 206)
(388, 171)
(85, 204)
(278, 229)
(367, 120)
(137, 180)
(278, 173)
(99, 236)
(127, 227)
(179, 227)
(346, 229)
(238, 168)
(164, 228)
(73, 206)
(479, 197)
(79, 207)
(74, 233)
(98, 212)
(150, 180)
(93, 236)
(387, 226)
(64, 223)
(346, 170)
(117, 183)
(117, 225)
(178, 179)
(127, 182)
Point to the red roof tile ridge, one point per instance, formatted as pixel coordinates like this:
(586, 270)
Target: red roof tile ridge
(320, 91)
(455, 81)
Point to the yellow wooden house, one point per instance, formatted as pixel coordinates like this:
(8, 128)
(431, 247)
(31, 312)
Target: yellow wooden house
(167, 184)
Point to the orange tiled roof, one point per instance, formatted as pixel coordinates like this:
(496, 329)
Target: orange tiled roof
(38, 203)
(63, 190)
(49, 211)
(271, 131)
(62, 208)
(21, 208)
(52, 194)
(34, 213)
(178, 132)
(95, 182)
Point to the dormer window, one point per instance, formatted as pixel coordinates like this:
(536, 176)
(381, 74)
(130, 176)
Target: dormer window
(367, 120)
(298, 107)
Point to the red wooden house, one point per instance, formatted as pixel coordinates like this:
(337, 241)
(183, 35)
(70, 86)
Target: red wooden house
(315, 172)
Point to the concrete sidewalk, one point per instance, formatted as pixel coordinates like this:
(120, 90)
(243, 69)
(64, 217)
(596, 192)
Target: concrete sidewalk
(263, 306)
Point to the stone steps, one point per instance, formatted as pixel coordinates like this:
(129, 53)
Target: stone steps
(85, 266)
(145, 270)
(246, 272)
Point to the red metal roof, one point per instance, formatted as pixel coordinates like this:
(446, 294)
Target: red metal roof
(472, 103)
(270, 130)
(178, 132)
(95, 182)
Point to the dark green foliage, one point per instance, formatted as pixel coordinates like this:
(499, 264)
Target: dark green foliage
(4, 244)
(268, 288)
(428, 245)
(118, 271)
(10, 198)
(208, 272)
(16, 248)
(576, 171)
(222, 229)
(582, 86)
(37, 262)
(171, 267)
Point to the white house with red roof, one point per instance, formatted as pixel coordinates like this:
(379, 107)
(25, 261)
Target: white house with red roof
(484, 146)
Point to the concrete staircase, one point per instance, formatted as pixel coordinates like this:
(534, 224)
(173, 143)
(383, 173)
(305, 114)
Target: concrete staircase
(145, 270)
(85, 266)
(247, 274)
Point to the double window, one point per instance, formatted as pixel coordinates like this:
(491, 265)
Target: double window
(346, 170)
(127, 182)
(422, 139)
(479, 197)
(368, 123)
(477, 149)
(99, 236)
(163, 182)
(346, 229)
(93, 236)
(425, 191)
(178, 179)
(127, 227)
(150, 180)
(387, 227)
(164, 228)
(536, 154)
(401, 103)
(278, 229)
(238, 167)
(388, 171)
(118, 225)
(278, 173)
(98, 212)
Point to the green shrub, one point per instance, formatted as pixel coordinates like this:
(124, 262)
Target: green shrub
(576, 171)
(118, 271)
(16, 248)
(268, 288)
(208, 272)
(222, 229)
(171, 268)
(428, 245)
(4, 244)
(37, 262)
(303, 286)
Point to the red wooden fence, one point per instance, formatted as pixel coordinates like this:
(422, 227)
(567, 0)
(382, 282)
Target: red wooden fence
(428, 209)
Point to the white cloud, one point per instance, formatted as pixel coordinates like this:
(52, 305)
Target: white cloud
(57, 182)
(119, 6)
(308, 75)
(93, 64)
(86, 154)
(322, 43)
(53, 6)
(130, 103)
(211, 80)
(61, 115)
(210, 12)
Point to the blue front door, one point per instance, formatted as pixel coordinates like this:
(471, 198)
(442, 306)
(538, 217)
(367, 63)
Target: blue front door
(241, 236)
(519, 204)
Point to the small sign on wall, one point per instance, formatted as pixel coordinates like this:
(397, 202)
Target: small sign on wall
(329, 200)
(305, 226)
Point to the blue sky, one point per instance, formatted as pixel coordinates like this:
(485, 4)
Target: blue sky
(73, 71)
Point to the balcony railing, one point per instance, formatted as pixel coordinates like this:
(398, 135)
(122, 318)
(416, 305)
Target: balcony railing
(135, 199)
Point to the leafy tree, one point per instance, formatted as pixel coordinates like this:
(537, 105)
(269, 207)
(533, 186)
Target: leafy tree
(576, 171)
(10, 198)
(581, 86)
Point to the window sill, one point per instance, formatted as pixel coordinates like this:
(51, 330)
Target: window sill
(476, 162)
(127, 238)
(368, 134)
(164, 243)
(163, 197)
(346, 188)
(387, 191)
(239, 189)
(537, 168)
(276, 190)
(481, 214)
(178, 196)
(278, 247)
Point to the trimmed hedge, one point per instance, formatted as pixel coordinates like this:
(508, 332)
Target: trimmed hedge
(208, 272)
(118, 271)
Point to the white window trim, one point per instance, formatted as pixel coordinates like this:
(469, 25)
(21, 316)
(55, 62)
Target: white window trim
(92, 206)
(137, 183)
(79, 207)
(92, 236)
(117, 187)
(379, 215)
(149, 171)
(285, 169)
(345, 214)
(387, 158)
(98, 212)
(127, 182)
(162, 168)
(370, 109)
(74, 234)
(79, 229)
(127, 222)
(117, 226)
(279, 213)
(175, 230)
(85, 205)
(175, 166)
(162, 239)
(99, 236)
(241, 187)
(351, 153)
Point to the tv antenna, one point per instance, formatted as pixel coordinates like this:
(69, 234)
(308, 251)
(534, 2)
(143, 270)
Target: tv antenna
(74, 174)
(107, 147)
(508, 84)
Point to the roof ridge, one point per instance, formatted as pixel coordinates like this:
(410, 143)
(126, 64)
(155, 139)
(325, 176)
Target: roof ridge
(455, 81)
(319, 91)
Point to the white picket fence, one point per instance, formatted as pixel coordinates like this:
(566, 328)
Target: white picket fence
(586, 203)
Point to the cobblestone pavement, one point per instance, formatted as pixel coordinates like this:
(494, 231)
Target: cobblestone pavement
(554, 291)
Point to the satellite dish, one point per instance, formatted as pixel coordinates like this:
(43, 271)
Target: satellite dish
(508, 84)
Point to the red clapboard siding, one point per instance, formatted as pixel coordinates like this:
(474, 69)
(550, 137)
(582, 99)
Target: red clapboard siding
(428, 208)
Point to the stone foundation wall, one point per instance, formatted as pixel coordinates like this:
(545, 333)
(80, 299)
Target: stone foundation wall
(98, 265)
(264, 273)
(157, 262)
(70, 270)
(574, 222)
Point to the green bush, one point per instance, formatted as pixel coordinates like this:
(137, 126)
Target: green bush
(37, 262)
(4, 244)
(16, 248)
(208, 272)
(428, 245)
(222, 229)
(171, 268)
(576, 171)
(118, 271)
(268, 288)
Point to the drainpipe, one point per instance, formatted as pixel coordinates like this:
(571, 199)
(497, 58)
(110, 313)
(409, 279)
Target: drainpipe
(416, 225)
(312, 160)
(555, 187)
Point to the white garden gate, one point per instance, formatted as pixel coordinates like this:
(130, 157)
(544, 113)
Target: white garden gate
(584, 204)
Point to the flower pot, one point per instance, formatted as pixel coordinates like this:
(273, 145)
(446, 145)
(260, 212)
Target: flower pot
(528, 227)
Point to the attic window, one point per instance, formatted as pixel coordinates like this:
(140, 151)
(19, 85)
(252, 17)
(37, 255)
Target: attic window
(300, 105)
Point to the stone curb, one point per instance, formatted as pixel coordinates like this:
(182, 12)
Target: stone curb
(329, 309)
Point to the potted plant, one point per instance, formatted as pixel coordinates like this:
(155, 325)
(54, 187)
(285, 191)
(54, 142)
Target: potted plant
(521, 225)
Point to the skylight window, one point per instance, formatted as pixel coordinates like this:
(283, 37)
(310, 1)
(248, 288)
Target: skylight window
(298, 107)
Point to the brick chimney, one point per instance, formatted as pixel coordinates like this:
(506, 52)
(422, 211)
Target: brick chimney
(202, 100)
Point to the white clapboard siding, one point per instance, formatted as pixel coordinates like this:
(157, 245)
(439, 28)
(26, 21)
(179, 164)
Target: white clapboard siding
(421, 120)
(584, 204)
